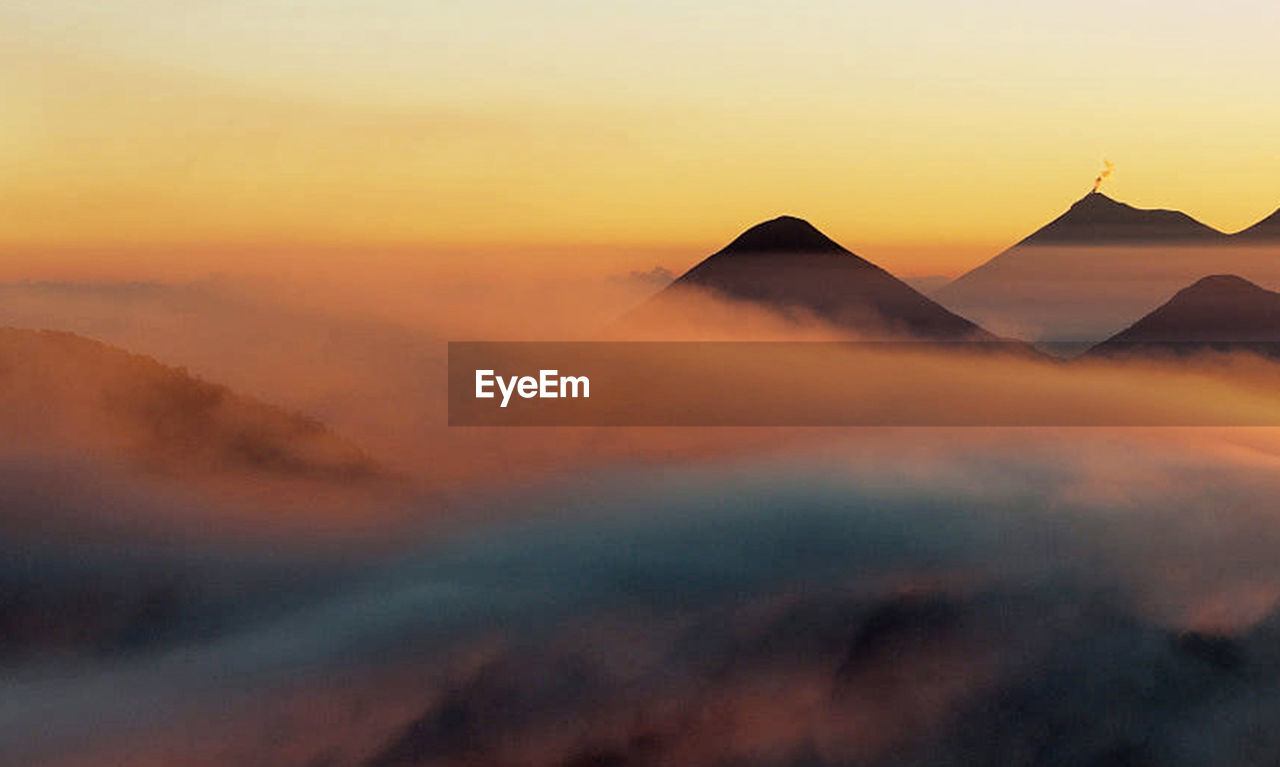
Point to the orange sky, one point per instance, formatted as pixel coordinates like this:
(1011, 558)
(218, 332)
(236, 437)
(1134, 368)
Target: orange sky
(150, 136)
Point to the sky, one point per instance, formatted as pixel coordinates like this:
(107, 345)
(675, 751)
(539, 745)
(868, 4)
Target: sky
(192, 137)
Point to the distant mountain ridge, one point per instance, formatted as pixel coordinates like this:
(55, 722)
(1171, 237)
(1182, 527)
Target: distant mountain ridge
(787, 265)
(1102, 264)
(1097, 218)
(1220, 311)
(1266, 230)
(61, 390)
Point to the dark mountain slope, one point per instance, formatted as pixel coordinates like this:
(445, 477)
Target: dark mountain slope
(1266, 230)
(1222, 311)
(787, 265)
(1098, 219)
(1098, 267)
(61, 391)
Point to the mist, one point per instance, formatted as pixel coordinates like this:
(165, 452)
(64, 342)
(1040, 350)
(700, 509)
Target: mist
(1085, 294)
(792, 596)
(673, 600)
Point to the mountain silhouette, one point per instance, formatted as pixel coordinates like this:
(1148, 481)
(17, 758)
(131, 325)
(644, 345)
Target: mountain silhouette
(784, 234)
(1266, 230)
(1097, 218)
(1100, 265)
(787, 265)
(66, 391)
(1222, 311)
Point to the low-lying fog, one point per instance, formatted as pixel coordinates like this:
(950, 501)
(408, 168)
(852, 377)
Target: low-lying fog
(625, 596)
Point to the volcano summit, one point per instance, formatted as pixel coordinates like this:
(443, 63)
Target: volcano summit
(787, 266)
(1100, 266)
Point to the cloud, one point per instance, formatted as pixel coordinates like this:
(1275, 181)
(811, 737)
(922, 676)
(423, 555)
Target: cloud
(650, 281)
(857, 599)
(790, 596)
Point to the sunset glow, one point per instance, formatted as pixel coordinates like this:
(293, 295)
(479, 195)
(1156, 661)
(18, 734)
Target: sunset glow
(554, 383)
(924, 135)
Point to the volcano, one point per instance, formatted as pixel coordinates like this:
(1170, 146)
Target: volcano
(1099, 266)
(1222, 312)
(786, 265)
(1099, 219)
(1266, 230)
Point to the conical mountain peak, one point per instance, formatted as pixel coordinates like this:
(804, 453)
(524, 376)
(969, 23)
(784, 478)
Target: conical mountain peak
(1097, 201)
(784, 234)
(787, 265)
(1224, 285)
(1218, 310)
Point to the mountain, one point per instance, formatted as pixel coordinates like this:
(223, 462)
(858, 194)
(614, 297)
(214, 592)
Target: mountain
(60, 391)
(1221, 311)
(926, 283)
(1266, 230)
(787, 265)
(1100, 265)
(1097, 218)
